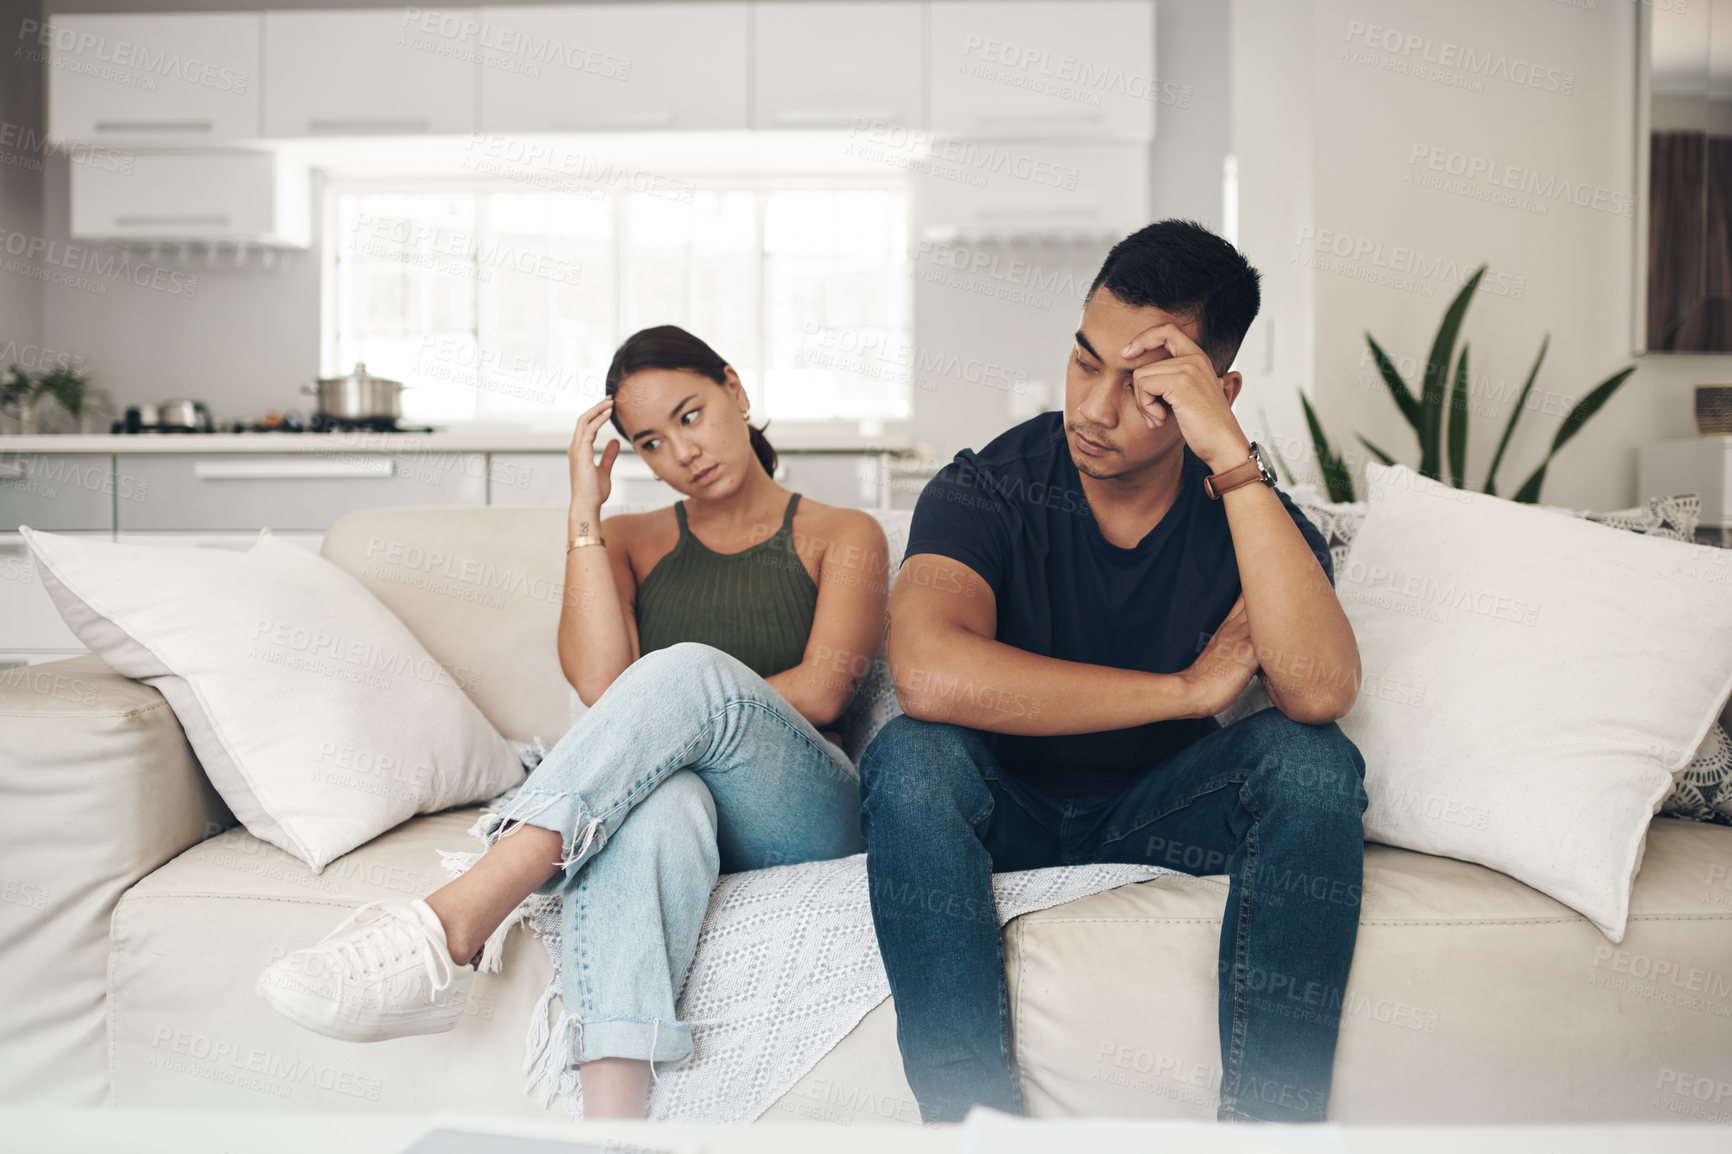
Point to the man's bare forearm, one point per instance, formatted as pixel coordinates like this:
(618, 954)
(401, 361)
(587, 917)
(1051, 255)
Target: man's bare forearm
(1304, 644)
(963, 678)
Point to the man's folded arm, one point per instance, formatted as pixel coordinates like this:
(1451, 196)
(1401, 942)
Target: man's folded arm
(948, 666)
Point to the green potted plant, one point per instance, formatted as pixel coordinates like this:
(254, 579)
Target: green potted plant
(22, 391)
(1439, 414)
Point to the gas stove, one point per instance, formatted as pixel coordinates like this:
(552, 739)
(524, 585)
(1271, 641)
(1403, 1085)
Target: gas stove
(290, 423)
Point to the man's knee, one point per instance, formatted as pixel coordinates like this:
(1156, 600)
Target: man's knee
(1305, 765)
(916, 770)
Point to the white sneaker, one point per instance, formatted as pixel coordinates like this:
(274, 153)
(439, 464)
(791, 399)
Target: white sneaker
(370, 979)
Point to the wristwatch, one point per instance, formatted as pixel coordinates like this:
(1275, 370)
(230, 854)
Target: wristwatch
(1257, 468)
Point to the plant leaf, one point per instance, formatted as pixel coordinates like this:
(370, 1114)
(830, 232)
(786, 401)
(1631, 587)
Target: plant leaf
(1404, 398)
(1337, 480)
(1457, 434)
(1436, 372)
(1529, 493)
(1375, 451)
(1280, 461)
(1515, 415)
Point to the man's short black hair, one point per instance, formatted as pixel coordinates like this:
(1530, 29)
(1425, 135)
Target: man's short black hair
(1182, 268)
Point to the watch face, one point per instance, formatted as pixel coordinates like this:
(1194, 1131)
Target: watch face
(1264, 464)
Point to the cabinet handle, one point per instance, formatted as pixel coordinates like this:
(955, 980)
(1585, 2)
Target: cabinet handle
(1088, 212)
(290, 470)
(614, 120)
(153, 126)
(1039, 117)
(148, 219)
(368, 125)
(816, 119)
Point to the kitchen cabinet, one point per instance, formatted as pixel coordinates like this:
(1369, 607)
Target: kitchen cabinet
(159, 78)
(834, 65)
(255, 197)
(219, 499)
(370, 72)
(1056, 68)
(1031, 188)
(614, 67)
(291, 491)
(60, 492)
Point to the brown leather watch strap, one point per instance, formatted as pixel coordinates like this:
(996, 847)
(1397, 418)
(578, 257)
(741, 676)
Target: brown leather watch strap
(1238, 475)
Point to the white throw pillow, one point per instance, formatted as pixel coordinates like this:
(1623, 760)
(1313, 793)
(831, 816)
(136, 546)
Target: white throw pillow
(317, 715)
(1538, 679)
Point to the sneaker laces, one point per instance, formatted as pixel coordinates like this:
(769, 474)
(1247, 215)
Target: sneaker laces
(381, 940)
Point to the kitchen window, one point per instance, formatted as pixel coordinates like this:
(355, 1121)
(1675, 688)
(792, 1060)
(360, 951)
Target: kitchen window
(502, 307)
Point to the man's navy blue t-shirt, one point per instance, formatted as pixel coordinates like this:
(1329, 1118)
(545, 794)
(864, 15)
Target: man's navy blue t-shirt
(1016, 514)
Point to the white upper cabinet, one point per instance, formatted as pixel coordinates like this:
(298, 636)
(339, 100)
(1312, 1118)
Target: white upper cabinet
(227, 196)
(829, 65)
(370, 72)
(1060, 68)
(162, 78)
(614, 67)
(1094, 188)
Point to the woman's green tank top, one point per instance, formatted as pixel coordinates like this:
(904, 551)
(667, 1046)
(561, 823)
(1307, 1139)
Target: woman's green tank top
(756, 605)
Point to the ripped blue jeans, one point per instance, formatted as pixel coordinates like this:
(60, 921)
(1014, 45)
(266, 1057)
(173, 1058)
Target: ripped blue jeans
(688, 766)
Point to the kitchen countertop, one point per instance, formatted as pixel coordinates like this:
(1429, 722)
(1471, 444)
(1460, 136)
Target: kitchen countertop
(362, 441)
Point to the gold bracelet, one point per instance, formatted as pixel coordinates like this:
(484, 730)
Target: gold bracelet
(576, 541)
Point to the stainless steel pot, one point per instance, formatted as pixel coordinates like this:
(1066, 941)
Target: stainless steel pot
(359, 396)
(181, 415)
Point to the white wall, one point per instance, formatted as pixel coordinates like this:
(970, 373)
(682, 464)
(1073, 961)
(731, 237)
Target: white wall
(1016, 341)
(1365, 109)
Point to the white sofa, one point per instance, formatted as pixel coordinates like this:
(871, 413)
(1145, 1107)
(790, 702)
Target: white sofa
(136, 916)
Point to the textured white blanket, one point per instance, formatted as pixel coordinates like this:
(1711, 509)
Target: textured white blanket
(787, 965)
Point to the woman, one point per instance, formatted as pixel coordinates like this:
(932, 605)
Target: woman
(710, 639)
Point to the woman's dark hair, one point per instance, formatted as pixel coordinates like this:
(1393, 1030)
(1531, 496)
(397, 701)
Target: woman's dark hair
(671, 347)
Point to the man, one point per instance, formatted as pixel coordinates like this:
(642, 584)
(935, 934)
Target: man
(1077, 601)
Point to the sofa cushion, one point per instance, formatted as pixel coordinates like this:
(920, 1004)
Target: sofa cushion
(315, 712)
(1471, 998)
(481, 588)
(1466, 985)
(101, 788)
(1539, 680)
(187, 1028)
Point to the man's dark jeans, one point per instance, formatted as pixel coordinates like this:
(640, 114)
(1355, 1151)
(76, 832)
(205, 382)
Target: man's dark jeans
(1272, 802)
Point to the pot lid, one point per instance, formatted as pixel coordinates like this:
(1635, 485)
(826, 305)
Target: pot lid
(359, 376)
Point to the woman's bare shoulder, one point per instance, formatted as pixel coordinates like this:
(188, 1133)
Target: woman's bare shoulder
(842, 524)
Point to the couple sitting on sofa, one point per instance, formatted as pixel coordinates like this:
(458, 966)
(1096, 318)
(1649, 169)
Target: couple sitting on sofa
(1077, 601)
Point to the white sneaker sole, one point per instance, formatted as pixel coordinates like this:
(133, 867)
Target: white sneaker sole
(314, 1014)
